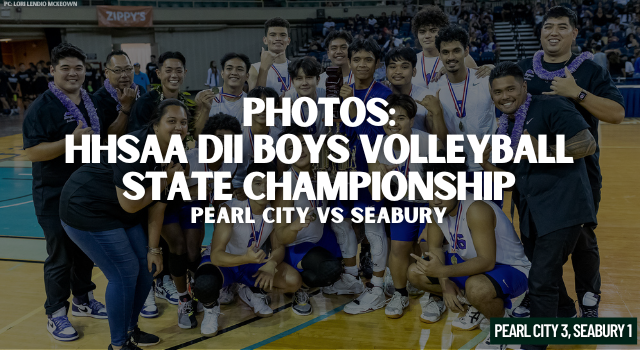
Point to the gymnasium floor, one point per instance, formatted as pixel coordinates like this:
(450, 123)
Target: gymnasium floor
(22, 251)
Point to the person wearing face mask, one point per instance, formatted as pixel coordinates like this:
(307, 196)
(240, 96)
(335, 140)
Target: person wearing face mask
(65, 109)
(310, 246)
(171, 72)
(119, 92)
(271, 71)
(402, 110)
(305, 75)
(554, 201)
(401, 68)
(554, 70)
(228, 99)
(337, 44)
(108, 226)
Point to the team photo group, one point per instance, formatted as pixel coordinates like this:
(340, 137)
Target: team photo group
(474, 262)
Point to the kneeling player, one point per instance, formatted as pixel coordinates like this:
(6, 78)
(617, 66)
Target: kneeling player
(485, 259)
(238, 254)
(405, 233)
(311, 247)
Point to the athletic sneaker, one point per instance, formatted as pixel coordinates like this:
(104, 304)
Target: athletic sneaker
(301, 303)
(413, 290)
(397, 304)
(387, 283)
(522, 311)
(589, 305)
(486, 345)
(126, 346)
(366, 265)
(60, 327)
(166, 289)
(486, 323)
(257, 301)
(370, 300)
(141, 338)
(209, 326)
(150, 310)
(186, 316)
(347, 284)
(228, 294)
(471, 320)
(432, 309)
(88, 307)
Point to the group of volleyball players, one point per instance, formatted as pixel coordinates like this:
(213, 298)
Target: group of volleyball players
(473, 262)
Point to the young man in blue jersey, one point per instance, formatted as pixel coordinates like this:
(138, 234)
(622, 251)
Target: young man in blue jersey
(245, 253)
(483, 268)
(364, 56)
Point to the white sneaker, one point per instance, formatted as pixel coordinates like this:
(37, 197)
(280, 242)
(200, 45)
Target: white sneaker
(150, 310)
(209, 325)
(397, 304)
(486, 323)
(347, 284)
(257, 301)
(227, 294)
(432, 309)
(413, 291)
(471, 320)
(166, 289)
(370, 300)
(387, 283)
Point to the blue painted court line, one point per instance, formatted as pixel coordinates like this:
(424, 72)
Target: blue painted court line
(476, 340)
(295, 329)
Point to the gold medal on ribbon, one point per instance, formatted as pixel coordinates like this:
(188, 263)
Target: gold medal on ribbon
(454, 260)
(460, 126)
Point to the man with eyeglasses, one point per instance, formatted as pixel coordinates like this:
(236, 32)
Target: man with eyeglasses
(116, 97)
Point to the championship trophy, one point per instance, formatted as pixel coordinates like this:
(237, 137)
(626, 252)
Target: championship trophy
(333, 86)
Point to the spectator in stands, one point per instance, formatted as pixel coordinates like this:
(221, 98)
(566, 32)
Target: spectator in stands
(371, 21)
(631, 42)
(507, 11)
(213, 75)
(636, 65)
(383, 20)
(140, 78)
(600, 57)
(152, 70)
(328, 26)
(615, 26)
(628, 67)
(616, 67)
(521, 11)
(404, 15)
(610, 13)
(40, 79)
(600, 19)
(394, 20)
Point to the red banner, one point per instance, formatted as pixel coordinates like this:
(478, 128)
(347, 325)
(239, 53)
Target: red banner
(125, 16)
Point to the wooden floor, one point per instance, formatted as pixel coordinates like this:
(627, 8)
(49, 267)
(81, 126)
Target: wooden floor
(23, 323)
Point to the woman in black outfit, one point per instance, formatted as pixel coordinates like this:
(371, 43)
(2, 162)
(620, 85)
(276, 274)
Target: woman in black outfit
(109, 227)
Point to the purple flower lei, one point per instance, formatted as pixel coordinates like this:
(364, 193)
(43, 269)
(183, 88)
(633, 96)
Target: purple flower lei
(75, 111)
(518, 128)
(112, 91)
(546, 75)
